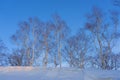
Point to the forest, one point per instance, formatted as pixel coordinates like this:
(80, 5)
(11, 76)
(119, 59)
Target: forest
(52, 44)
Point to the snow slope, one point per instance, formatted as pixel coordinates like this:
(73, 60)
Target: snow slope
(36, 73)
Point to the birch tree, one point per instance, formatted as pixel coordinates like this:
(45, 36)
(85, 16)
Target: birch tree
(61, 33)
(104, 34)
(26, 37)
(95, 24)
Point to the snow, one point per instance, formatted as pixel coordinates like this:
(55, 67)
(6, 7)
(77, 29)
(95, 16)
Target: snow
(37, 73)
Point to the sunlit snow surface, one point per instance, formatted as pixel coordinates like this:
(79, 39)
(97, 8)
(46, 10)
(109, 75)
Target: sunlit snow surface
(36, 73)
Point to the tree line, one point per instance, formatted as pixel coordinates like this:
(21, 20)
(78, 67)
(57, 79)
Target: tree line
(45, 43)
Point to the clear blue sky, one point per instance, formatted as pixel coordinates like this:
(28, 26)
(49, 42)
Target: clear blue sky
(72, 11)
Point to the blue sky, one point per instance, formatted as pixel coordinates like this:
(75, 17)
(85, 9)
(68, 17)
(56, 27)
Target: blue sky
(72, 11)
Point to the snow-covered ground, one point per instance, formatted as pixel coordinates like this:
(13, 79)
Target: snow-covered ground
(36, 73)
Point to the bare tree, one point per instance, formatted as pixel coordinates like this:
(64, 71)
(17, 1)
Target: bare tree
(21, 38)
(60, 32)
(102, 34)
(46, 35)
(3, 54)
(16, 58)
(76, 49)
(95, 26)
(27, 38)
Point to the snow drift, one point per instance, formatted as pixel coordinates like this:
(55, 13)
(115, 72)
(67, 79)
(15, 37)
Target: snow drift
(36, 73)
